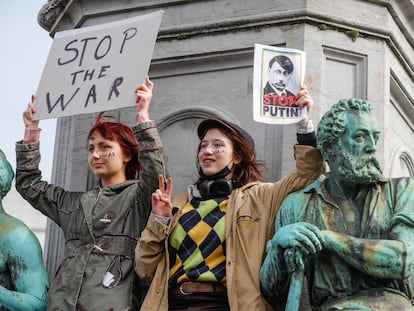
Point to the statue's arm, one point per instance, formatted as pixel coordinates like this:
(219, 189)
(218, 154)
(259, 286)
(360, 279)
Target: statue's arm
(273, 276)
(390, 258)
(273, 272)
(292, 240)
(28, 273)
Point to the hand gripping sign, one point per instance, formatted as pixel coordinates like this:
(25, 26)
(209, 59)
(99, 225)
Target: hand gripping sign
(96, 68)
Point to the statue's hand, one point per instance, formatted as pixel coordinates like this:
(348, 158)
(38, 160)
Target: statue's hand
(293, 259)
(303, 236)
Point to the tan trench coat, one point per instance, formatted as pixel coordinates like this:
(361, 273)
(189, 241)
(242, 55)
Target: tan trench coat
(250, 217)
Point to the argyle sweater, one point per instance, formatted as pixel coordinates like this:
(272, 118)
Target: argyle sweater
(197, 243)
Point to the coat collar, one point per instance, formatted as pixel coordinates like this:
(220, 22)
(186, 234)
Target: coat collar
(117, 187)
(319, 185)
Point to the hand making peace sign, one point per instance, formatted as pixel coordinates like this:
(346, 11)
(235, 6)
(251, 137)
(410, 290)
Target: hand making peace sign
(161, 198)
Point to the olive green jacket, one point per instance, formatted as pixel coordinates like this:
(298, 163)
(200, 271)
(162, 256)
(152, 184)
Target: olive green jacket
(250, 216)
(100, 227)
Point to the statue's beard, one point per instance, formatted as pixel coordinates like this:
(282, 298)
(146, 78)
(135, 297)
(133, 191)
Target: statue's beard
(363, 170)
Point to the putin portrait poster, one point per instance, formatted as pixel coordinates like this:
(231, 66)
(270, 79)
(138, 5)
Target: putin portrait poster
(278, 76)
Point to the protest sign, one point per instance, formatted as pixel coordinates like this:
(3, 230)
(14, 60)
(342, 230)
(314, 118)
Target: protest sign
(96, 68)
(278, 76)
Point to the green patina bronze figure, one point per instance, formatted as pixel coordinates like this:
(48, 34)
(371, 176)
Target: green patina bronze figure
(23, 278)
(351, 231)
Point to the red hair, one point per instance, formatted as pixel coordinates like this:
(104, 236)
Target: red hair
(124, 136)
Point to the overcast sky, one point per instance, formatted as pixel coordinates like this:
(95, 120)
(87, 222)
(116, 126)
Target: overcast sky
(24, 50)
(23, 53)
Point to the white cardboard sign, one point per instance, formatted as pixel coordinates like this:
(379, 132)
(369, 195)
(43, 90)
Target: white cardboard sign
(96, 68)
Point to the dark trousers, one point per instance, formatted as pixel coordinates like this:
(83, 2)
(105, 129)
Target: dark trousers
(198, 301)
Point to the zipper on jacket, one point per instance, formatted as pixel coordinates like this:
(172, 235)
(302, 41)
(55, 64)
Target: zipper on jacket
(97, 198)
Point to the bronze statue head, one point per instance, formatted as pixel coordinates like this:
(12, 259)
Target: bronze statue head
(347, 138)
(6, 175)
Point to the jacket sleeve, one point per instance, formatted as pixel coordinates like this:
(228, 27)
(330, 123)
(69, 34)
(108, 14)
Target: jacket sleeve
(50, 200)
(309, 166)
(153, 161)
(309, 162)
(150, 250)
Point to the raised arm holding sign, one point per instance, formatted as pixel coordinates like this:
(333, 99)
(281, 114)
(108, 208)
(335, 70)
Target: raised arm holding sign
(101, 226)
(88, 70)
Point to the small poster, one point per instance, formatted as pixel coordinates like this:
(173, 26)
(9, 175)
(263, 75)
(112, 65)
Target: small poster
(278, 75)
(97, 68)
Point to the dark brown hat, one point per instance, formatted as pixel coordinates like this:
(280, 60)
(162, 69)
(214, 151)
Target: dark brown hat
(210, 123)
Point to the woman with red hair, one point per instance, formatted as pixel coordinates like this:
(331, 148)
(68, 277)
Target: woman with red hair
(101, 226)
